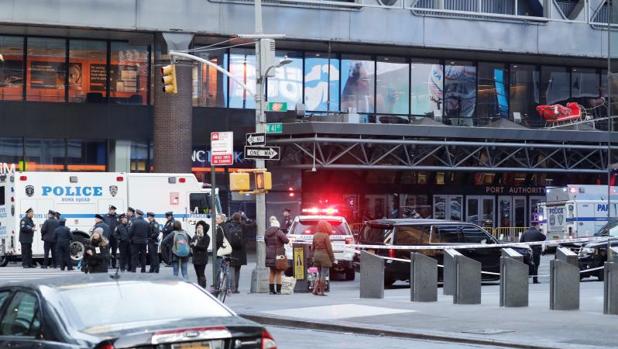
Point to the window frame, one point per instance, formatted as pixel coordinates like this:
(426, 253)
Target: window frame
(426, 231)
(39, 311)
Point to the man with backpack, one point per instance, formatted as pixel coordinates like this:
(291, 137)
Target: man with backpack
(179, 243)
(235, 231)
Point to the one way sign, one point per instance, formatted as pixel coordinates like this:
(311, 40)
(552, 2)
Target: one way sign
(262, 153)
(256, 138)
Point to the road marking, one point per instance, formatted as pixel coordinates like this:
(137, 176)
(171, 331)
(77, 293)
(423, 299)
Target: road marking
(338, 311)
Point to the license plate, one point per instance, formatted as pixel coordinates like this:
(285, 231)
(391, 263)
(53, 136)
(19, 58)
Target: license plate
(198, 345)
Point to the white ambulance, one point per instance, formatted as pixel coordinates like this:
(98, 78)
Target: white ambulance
(576, 210)
(78, 196)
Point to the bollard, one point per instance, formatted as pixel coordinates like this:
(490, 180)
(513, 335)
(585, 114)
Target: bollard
(301, 254)
(610, 286)
(467, 281)
(513, 279)
(566, 255)
(371, 276)
(424, 278)
(448, 273)
(614, 255)
(563, 285)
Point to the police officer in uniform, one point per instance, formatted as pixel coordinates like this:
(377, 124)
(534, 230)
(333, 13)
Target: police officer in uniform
(99, 223)
(49, 240)
(138, 235)
(169, 224)
(533, 234)
(121, 234)
(63, 237)
(111, 219)
(153, 243)
(26, 235)
(130, 215)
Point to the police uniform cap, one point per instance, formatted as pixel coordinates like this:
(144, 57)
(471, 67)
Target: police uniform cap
(29, 210)
(150, 214)
(58, 214)
(112, 207)
(122, 215)
(169, 214)
(139, 212)
(51, 212)
(131, 209)
(98, 216)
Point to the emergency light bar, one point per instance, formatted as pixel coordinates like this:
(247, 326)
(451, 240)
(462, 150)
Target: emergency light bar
(315, 210)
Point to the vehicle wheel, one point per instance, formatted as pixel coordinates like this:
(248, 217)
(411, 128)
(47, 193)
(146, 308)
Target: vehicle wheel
(601, 275)
(222, 292)
(77, 248)
(350, 274)
(4, 260)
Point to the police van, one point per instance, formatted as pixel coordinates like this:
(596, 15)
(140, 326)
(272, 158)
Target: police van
(575, 210)
(78, 196)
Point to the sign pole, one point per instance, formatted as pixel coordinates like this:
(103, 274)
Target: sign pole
(213, 223)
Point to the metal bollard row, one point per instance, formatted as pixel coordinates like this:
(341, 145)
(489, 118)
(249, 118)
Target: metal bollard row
(371, 276)
(513, 279)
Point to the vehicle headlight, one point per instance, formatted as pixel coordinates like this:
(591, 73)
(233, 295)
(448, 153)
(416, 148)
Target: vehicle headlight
(586, 251)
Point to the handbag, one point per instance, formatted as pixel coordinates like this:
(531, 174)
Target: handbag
(225, 249)
(281, 263)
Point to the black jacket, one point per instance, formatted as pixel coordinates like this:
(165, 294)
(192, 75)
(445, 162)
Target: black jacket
(107, 233)
(533, 235)
(153, 234)
(63, 235)
(239, 254)
(48, 228)
(26, 230)
(168, 227)
(99, 260)
(112, 221)
(122, 232)
(200, 249)
(138, 231)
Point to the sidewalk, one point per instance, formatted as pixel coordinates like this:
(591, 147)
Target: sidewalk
(395, 316)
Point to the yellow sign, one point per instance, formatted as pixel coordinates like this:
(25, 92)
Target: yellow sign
(299, 263)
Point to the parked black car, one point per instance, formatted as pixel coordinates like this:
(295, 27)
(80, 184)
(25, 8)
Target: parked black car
(594, 254)
(401, 232)
(94, 311)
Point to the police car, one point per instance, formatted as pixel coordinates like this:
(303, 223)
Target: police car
(302, 230)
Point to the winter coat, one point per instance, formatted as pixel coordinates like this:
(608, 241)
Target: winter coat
(533, 235)
(322, 250)
(239, 254)
(200, 249)
(48, 228)
(63, 235)
(26, 230)
(122, 232)
(139, 231)
(275, 238)
(99, 260)
(111, 220)
(107, 233)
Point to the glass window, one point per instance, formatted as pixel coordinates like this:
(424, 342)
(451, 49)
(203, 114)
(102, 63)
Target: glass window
(412, 234)
(460, 89)
(357, 84)
(447, 234)
(393, 86)
(493, 99)
(139, 157)
(427, 88)
(129, 74)
(309, 226)
(287, 84)
(585, 87)
(209, 84)
(46, 69)
(11, 150)
(524, 91)
(199, 203)
(242, 68)
(87, 71)
(21, 317)
(475, 235)
(45, 154)
(321, 82)
(86, 155)
(2, 203)
(11, 68)
(376, 234)
(554, 85)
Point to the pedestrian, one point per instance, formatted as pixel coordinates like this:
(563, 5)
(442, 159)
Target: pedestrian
(63, 237)
(26, 235)
(97, 253)
(323, 257)
(138, 235)
(275, 239)
(130, 215)
(235, 231)
(49, 240)
(533, 234)
(111, 219)
(168, 227)
(121, 234)
(153, 243)
(287, 220)
(99, 223)
(219, 235)
(199, 246)
(179, 242)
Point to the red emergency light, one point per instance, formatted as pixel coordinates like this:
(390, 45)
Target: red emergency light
(314, 210)
(182, 180)
(23, 178)
(119, 179)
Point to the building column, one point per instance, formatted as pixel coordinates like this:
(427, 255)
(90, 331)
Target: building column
(120, 156)
(173, 113)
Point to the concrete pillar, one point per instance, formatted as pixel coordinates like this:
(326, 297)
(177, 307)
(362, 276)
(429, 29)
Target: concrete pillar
(449, 275)
(120, 156)
(468, 281)
(610, 294)
(371, 276)
(563, 285)
(423, 278)
(566, 255)
(173, 113)
(513, 279)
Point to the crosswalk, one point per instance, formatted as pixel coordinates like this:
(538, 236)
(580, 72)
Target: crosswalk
(15, 273)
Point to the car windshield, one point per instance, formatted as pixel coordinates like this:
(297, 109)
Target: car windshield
(307, 227)
(610, 229)
(110, 306)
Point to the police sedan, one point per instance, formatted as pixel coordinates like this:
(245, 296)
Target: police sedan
(96, 311)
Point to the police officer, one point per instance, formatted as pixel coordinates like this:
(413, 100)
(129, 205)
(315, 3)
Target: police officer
(138, 235)
(121, 234)
(287, 220)
(153, 243)
(169, 224)
(99, 223)
(26, 235)
(533, 234)
(130, 215)
(111, 219)
(63, 237)
(49, 239)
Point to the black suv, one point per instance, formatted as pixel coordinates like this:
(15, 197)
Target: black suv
(594, 254)
(430, 232)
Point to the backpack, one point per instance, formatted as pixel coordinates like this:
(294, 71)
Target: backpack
(181, 245)
(234, 235)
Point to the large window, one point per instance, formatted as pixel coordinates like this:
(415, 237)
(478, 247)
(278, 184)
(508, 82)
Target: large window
(11, 68)
(393, 86)
(21, 318)
(492, 91)
(287, 84)
(208, 83)
(139, 157)
(585, 86)
(460, 89)
(554, 85)
(11, 150)
(45, 154)
(357, 84)
(242, 68)
(427, 88)
(87, 71)
(524, 92)
(86, 155)
(46, 63)
(129, 73)
(321, 82)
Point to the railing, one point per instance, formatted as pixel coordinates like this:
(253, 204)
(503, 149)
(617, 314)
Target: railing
(509, 234)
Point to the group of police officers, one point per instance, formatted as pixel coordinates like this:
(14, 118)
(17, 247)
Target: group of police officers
(132, 239)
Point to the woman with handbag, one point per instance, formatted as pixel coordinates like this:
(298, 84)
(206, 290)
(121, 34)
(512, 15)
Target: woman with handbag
(323, 256)
(276, 260)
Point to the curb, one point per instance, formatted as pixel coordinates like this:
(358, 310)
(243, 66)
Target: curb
(364, 330)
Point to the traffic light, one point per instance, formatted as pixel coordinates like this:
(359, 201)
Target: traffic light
(240, 181)
(168, 77)
(263, 181)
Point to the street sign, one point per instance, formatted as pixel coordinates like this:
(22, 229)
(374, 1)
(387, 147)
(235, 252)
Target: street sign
(277, 107)
(276, 127)
(256, 139)
(222, 148)
(262, 153)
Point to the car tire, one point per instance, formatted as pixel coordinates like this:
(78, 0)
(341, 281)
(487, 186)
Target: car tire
(350, 274)
(77, 248)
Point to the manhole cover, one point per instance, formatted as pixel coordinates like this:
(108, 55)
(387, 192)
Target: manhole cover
(487, 331)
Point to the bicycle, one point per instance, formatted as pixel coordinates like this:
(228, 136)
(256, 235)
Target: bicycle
(224, 278)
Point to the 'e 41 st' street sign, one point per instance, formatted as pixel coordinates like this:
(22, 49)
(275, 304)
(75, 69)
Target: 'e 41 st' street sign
(256, 138)
(262, 153)
(222, 148)
(276, 127)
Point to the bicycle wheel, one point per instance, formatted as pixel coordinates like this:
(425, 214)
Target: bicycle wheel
(222, 287)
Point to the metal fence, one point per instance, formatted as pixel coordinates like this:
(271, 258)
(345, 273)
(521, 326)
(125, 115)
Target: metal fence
(509, 234)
